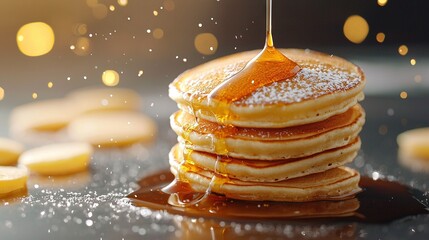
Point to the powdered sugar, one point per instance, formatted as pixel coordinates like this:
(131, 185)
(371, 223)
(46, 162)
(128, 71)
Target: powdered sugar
(311, 82)
(320, 75)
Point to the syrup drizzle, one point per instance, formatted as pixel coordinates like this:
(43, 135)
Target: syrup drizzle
(380, 201)
(269, 66)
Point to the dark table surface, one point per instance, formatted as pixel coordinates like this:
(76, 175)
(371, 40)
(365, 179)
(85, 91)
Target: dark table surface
(91, 205)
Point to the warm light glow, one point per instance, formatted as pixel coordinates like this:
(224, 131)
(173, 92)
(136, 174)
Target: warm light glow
(91, 3)
(99, 11)
(403, 50)
(382, 2)
(356, 29)
(140, 73)
(50, 84)
(380, 37)
(122, 2)
(35, 39)
(158, 33)
(413, 61)
(382, 130)
(169, 5)
(112, 8)
(110, 78)
(1, 93)
(403, 95)
(80, 29)
(82, 46)
(206, 43)
(418, 78)
(34, 95)
(155, 13)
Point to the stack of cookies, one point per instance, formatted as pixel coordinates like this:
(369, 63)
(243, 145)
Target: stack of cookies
(287, 141)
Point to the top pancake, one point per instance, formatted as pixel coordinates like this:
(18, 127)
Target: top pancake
(325, 86)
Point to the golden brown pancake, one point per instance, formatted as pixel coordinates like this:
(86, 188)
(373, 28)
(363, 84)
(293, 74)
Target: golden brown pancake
(105, 99)
(325, 86)
(336, 183)
(112, 128)
(268, 171)
(414, 143)
(45, 115)
(9, 151)
(268, 143)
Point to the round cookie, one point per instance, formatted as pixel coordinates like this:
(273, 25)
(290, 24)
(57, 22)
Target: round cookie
(100, 99)
(414, 143)
(112, 128)
(9, 151)
(414, 149)
(46, 115)
(268, 171)
(268, 144)
(57, 159)
(325, 86)
(12, 179)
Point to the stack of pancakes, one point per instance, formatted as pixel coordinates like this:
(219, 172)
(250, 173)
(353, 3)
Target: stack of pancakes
(287, 141)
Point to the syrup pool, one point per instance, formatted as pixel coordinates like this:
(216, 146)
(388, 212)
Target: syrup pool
(380, 201)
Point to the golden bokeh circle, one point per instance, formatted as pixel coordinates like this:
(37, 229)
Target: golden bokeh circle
(356, 29)
(206, 43)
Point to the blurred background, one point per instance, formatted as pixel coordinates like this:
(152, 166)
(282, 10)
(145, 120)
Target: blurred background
(148, 43)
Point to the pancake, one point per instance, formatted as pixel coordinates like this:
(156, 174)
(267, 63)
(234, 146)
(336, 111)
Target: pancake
(102, 99)
(325, 86)
(112, 128)
(269, 144)
(12, 179)
(268, 171)
(336, 183)
(9, 151)
(46, 115)
(414, 143)
(57, 158)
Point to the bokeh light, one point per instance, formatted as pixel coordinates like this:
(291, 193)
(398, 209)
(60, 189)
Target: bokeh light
(34, 95)
(158, 33)
(403, 95)
(80, 29)
(356, 29)
(1, 93)
(50, 84)
(206, 43)
(99, 11)
(122, 2)
(382, 2)
(403, 50)
(418, 78)
(91, 3)
(110, 78)
(82, 46)
(380, 37)
(169, 5)
(413, 61)
(35, 39)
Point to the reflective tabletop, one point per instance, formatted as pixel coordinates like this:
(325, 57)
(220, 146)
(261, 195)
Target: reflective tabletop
(92, 204)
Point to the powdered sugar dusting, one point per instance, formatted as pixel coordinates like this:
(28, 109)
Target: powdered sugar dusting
(320, 75)
(311, 82)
